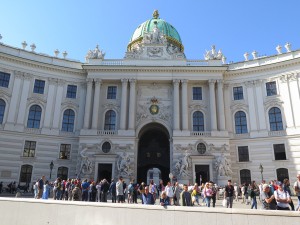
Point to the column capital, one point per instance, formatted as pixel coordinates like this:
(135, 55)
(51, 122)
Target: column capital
(98, 81)
(28, 76)
(220, 81)
(89, 81)
(61, 82)
(19, 74)
(124, 80)
(132, 81)
(176, 82)
(184, 81)
(52, 80)
(211, 81)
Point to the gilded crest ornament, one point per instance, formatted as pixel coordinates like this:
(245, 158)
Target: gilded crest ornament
(154, 108)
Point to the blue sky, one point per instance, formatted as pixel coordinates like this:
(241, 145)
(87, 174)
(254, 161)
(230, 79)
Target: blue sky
(235, 26)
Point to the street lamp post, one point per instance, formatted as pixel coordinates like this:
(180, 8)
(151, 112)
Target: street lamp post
(261, 171)
(51, 168)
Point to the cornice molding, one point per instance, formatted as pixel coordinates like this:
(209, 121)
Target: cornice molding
(40, 65)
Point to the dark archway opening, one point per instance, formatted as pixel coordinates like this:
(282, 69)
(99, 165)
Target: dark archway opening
(153, 151)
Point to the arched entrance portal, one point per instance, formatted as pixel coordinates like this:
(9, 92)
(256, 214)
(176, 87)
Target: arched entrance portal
(153, 151)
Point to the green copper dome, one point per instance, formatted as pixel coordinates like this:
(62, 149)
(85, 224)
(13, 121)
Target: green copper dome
(167, 29)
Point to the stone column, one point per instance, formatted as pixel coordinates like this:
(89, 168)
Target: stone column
(294, 96)
(252, 108)
(23, 101)
(184, 105)
(57, 109)
(176, 117)
(260, 109)
(50, 102)
(123, 104)
(96, 104)
(88, 102)
(213, 110)
(132, 104)
(221, 111)
(11, 118)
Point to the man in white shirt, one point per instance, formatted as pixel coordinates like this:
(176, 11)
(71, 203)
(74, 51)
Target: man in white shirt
(297, 190)
(282, 197)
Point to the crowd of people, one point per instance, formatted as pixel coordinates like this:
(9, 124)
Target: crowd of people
(275, 195)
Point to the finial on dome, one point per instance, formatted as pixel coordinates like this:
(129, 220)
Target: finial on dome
(155, 14)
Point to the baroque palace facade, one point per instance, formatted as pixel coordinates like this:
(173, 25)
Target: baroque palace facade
(152, 111)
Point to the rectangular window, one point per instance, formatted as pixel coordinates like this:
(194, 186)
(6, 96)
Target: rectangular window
(39, 86)
(71, 91)
(197, 93)
(4, 79)
(65, 150)
(238, 93)
(243, 153)
(279, 151)
(112, 92)
(271, 88)
(29, 149)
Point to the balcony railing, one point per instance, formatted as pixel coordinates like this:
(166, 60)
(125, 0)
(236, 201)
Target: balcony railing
(201, 133)
(277, 133)
(107, 132)
(244, 135)
(33, 130)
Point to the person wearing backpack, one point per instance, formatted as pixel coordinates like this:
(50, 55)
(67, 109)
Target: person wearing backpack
(282, 197)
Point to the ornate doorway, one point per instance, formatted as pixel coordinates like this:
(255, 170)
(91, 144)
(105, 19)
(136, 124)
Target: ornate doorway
(153, 151)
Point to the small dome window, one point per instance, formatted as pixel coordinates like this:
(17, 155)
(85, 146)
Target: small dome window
(201, 148)
(106, 147)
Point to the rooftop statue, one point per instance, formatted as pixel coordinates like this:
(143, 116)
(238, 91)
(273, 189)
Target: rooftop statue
(213, 54)
(95, 54)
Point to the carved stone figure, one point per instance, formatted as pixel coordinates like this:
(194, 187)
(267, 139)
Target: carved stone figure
(182, 166)
(86, 164)
(95, 54)
(213, 54)
(123, 164)
(222, 166)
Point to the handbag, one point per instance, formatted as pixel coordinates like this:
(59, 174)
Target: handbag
(224, 202)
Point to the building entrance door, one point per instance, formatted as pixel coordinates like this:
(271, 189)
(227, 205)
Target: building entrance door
(153, 151)
(104, 171)
(202, 174)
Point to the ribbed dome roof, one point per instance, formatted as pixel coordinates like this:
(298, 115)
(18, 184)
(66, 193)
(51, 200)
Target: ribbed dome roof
(167, 29)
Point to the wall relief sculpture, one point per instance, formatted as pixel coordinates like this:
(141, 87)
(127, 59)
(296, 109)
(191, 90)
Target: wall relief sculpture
(86, 166)
(222, 166)
(124, 165)
(182, 166)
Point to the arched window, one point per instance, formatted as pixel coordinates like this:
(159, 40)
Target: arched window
(68, 120)
(275, 119)
(34, 117)
(245, 176)
(240, 122)
(110, 120)
(198, 121)
(2, 110)
(62, 172)
(282, 173)
(26, 173)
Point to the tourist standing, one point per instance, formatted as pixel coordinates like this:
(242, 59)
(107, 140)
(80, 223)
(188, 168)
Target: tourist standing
(297, 190)
(267, 199)
(207, 193)
(40, 187)
(282, 197)
(46, 190)
(120, 190)
(185, 197)
(85, 189)
(147, 197)
(169, 191)
(229, 193)
(286, 187)
(177, 192)
(113, 191)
